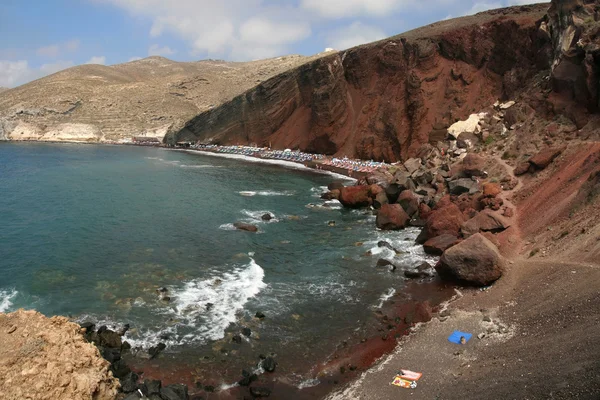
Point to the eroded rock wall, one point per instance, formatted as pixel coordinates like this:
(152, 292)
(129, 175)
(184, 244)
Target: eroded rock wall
(383, 101)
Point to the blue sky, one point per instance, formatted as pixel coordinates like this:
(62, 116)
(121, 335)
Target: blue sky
(40, 37)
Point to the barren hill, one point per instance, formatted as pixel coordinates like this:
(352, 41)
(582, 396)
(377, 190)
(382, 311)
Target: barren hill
(145, 97)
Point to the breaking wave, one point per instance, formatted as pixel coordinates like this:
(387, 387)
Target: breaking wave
(6, 297)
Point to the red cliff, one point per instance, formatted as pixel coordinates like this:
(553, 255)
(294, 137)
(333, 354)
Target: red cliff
(384, 100)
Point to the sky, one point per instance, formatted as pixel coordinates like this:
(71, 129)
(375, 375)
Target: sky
(41, 37)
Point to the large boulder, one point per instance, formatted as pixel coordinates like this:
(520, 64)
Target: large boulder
(391, 217)
(491, 189)
(522, 168)
(356, 196)
(403, 180)
(473, 164)
(380, 177)
(242, 226)
(412, 164)
(380, 199)
(485, 221)
(542, 159)
(335, 185)
(409, 202)
(463, 185)
(475, 261)
(437, 245)
(447, 219)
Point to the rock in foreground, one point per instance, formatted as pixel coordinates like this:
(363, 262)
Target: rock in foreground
(48, 358)
(475, 261)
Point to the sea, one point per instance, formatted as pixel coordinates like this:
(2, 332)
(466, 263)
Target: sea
(92, 231)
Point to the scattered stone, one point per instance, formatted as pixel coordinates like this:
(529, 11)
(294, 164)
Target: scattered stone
(475, 261)
(491, 189)
(152, 386)
(236, 339)
(542, 159)
(129, 382)
(485, 221)
(412, 164)
(259, 391)
(269, 364)
(508, 212)
(242, 226)
(246, 332)
(88, 326)
(335, 185)
(391, 217)
(384, 263)
(437, 245)
(110, 338)
(522, 169)
(463, 185)
(156, 350)
(259, 315)
(409, 202)
(473, 165)
(331, 223)
(356, 196)
(266, 217)
(481, 335)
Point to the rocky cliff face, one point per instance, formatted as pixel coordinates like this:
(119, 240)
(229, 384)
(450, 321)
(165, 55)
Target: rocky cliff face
(573, 28)
(385, 100)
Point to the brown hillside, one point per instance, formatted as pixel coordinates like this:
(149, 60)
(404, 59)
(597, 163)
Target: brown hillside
(145, 97)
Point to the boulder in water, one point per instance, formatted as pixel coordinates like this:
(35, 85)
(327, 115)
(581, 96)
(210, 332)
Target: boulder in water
(242, 226)
(266, 217)
(391, 217)
(269, 364)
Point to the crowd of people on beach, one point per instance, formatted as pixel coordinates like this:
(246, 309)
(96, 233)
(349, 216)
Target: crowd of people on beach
(321, 161)
(355, 165)
(261, 152)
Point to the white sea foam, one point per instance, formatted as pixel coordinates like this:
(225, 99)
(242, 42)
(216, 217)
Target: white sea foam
(197, 166)
(410, 253)
(227, 227)
(256, 216)
(6, 297)
(317, 191)
(386, 296)
(249, 193)
(202, 309)
(334, 290)
(308, 383)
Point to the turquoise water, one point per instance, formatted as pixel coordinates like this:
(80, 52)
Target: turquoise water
(92, 231)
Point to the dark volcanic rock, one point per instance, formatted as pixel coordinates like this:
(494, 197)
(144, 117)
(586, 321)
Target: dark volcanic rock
(437, 245)
(391, 217)
(152, 386)
(246, 332)
(88, 326)
(110, 338)
(156, 350)
(266, 217)
(258, 391)
(120, 369)
(409, 202)
(475, 261)
(485, 221)
(463, 185)
(242, 226)
(382, 262)
(269, 364)
(259, 315)
(129, 382)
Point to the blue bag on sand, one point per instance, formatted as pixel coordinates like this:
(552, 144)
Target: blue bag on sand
(455, 336)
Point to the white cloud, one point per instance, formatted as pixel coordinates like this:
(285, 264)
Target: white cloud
(156, 50)
(241, 29)
(14, 73)
(48, 51)
(134, 59)
(346, 8)
(54, 50)
(353, 35)
(97, 60)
